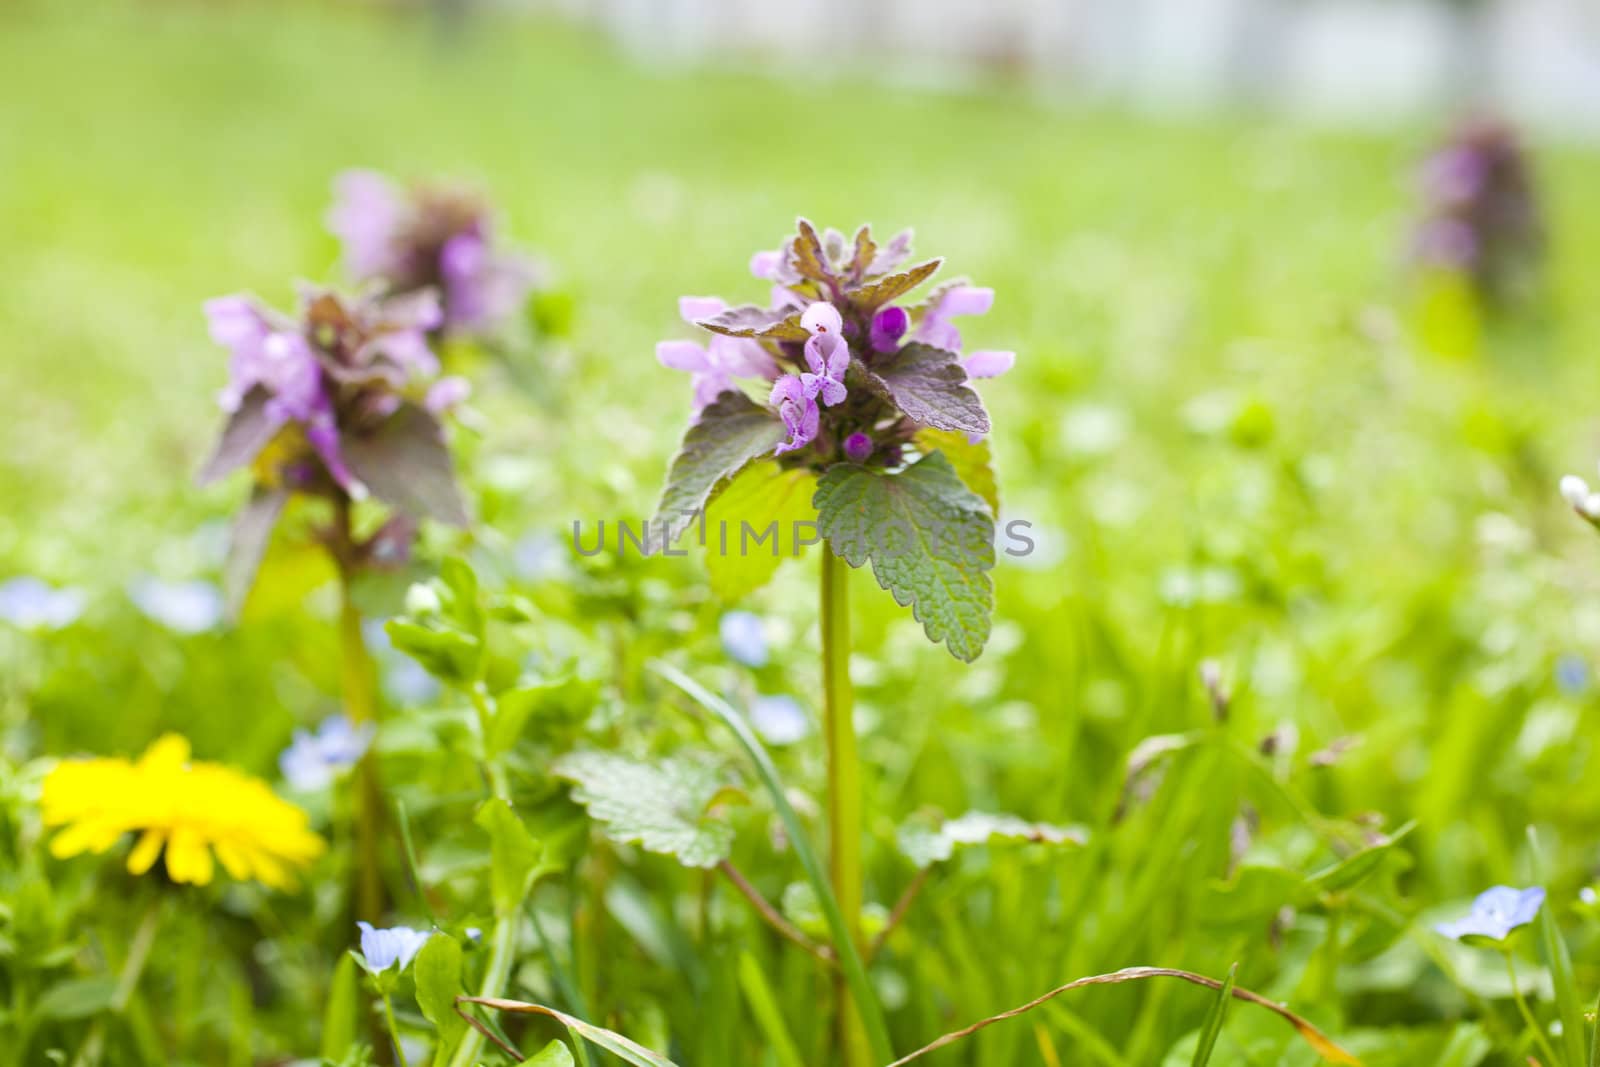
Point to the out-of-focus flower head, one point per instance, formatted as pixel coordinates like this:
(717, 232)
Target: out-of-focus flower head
(779, 719)
(1496, 914)
(743, 638)
(856, 371)
(191, 810)
(187, 607)
(396, 946)
(315, 761)
(341, 400)
(431, 236)
(29, 603)
(1481, 214)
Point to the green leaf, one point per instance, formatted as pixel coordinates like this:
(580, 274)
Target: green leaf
(555, 1054)
(731, 431)
(247, 544)
(438, 976)
(926, 845)
(447, 654)
(1358, 866)
(970, 459)
(614, 1043)
(806, 254)
(1568, 1006)
(339, 1017)
(870, 298)
(513, 855)
(929, 385)
(661, 806)
(566, 699)
(762, 496)
(930, 540)
(764, 1006)
(1214, 1018)
(855, 973)
(76, 998)
(406, 464)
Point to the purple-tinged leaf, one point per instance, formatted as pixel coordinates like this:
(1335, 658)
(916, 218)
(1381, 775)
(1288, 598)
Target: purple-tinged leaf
(870, 298)
(809, 259)
(748, 320)
(406, 464)
(930, 386)
(246, 433)
(892, 254)
(247, 544)
(731, 431)
(866, 250)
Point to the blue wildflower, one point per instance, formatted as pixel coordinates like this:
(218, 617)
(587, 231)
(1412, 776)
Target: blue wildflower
(31, 604)
(1572, 674)
(383, 949)
(1495, 915)
(190, 607)
(743, 638)
(779, 719)
(314, 761)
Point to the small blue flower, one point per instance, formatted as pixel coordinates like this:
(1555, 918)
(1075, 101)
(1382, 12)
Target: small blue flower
(315, 761)
(31, 604)
(1495, 915)
(190, 607)
(743, 639)
(385, 948)
(1572, 674)
(779, 719)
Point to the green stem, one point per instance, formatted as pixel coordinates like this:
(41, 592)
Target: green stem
(1527, 1015)
(358, 682)
(502, 951)
(144, 939)
(496, 774)
(844, 789)
(394, 1031)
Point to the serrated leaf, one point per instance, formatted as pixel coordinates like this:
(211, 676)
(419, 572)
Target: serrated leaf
(971, 459)
(762, 496)
(730, 432)
(437, 971)
(926, 845)
(930, 540)
(247, 431)
(406, 464)
(809, 260)
(513, 855)
(749, 320)
(865, 251)
(930, 386)
(661, 806)
(870, 298)
(892, 254)
(247, 544)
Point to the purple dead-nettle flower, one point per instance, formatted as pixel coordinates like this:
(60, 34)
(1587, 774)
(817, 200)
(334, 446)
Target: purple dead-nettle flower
(716, 365)
(339, 401)
(1496, 914)
(430, 236)
(857, 447)
(1481, 214)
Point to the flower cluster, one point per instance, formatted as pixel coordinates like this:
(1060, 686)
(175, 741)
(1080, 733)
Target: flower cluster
(850, 368)
(435, 237)
(1481, 212)
(191, 810)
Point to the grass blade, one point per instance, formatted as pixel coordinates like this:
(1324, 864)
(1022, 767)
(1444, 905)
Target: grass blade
(1568, 1007)
(764, 1006)
(849, 959)
(612, 1042)
(1319, 1041)
(1213, 1027)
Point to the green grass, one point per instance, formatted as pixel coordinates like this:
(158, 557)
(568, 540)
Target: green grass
(1226, 425)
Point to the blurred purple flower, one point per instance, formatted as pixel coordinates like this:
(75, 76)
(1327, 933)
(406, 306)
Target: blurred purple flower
(743, 638)
(439, 237)
(28, 603)
(383, 949)
(1496, 913)
(314, 761)
(188, 607)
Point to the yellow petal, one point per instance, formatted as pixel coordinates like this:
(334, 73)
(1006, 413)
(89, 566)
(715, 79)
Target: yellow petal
(188, 859)
(145, 852)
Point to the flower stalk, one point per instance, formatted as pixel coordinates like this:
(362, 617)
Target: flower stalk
(358, 683)
(1545, 1051)
(844, 789)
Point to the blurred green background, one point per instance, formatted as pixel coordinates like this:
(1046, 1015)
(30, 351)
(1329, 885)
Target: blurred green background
(1240, 428)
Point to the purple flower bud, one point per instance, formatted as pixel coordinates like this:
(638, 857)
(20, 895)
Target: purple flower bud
(888, 326)
(798, 409)
(857, 447)
(447, 393)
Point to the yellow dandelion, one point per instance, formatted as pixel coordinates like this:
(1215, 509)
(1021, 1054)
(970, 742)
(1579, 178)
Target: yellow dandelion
(190, 809)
